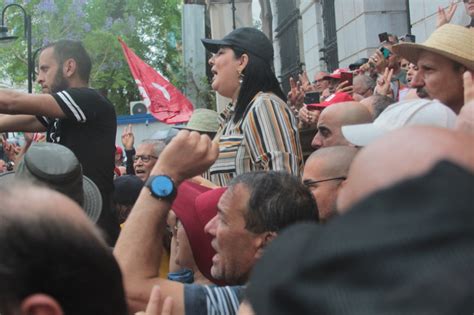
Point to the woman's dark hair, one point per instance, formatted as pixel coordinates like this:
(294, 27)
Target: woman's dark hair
(258, 77)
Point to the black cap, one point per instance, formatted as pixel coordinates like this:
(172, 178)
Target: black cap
(407, 249)
(248, 39)
(356, 65)
(127, 189)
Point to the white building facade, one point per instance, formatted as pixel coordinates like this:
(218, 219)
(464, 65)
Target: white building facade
(358, 22)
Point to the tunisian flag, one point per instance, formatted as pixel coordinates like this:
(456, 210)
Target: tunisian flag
(165, 101)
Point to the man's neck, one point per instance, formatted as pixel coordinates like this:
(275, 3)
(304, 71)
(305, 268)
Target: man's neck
(200, 279)
(76, 83)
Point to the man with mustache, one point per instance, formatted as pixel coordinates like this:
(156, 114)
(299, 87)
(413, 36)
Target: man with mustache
(441, 60)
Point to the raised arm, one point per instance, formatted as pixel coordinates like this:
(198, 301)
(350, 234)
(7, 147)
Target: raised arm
(128, 140)
(14, 103)
(137, 253)
(29, 123)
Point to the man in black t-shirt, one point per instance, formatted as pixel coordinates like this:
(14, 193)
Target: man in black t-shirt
(73, 115)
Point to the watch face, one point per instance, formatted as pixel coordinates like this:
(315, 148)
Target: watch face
(162, 186)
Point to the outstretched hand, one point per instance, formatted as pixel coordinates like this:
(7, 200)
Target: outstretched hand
(11, 150)
(345, 87)
(465, 119)
(468, 84)
(378, 61)
(383, 84)
(296, 94)
(154, 304)
(309, 117)
(187, 155)
(306, 85)
(445, 17)
(128, 139)
(29, 137)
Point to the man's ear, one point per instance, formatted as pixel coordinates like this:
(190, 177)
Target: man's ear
(69, 68)
(262, 242)
(40, 304)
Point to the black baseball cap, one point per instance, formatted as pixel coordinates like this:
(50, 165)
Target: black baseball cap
(248, 39)
(127, 189)
(356, 65)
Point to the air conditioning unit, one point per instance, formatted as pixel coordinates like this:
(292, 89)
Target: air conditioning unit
(138, 107)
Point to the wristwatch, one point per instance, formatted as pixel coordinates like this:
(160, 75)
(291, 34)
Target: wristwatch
(161, 187)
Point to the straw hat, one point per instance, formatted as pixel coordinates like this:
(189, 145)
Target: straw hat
(451, 41)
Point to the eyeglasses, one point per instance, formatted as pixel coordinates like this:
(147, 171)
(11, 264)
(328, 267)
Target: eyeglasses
(308, 183)
(145, 158)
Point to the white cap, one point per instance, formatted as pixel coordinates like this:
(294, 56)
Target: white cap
(410, 112)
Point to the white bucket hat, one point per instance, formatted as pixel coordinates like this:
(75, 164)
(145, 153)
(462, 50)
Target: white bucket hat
(411, 112)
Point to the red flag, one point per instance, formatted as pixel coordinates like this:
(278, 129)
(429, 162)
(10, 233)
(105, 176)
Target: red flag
(166, 102)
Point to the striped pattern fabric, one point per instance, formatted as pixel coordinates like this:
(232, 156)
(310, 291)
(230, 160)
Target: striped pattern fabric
(266, 138)
(221, 300)
(212, 300)
(72, 106)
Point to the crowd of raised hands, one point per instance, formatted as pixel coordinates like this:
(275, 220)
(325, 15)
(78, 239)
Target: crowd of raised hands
(14, 151)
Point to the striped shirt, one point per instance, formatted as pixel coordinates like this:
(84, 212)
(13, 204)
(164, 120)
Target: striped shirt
(212, 300)
(266, 138)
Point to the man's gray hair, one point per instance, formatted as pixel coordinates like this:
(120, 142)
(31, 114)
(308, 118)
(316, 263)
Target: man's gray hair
(158, 145)
(366, 81)
(380, 103)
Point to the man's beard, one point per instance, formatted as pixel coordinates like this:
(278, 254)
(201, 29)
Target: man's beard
(60, 83)
(421, 92)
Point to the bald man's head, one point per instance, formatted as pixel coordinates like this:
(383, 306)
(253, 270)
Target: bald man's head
(42, 203)
(418, 149)
(333, 118)
(323, 174)
(55, 254)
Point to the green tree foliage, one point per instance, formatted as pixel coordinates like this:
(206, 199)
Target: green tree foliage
(152, 28)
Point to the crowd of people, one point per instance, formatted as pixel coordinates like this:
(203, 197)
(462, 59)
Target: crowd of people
(225, 215)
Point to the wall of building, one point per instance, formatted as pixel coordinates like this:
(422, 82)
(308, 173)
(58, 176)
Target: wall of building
(313, 36)
(144, 126)
(276, 42)
(194, 54)
(358, 22)
(423, 14)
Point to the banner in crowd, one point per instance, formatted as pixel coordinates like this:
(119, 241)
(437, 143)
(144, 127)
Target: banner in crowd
(165, 101)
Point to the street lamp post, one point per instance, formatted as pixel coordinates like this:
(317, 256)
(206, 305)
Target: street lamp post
(4, 37)
(233, 13)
